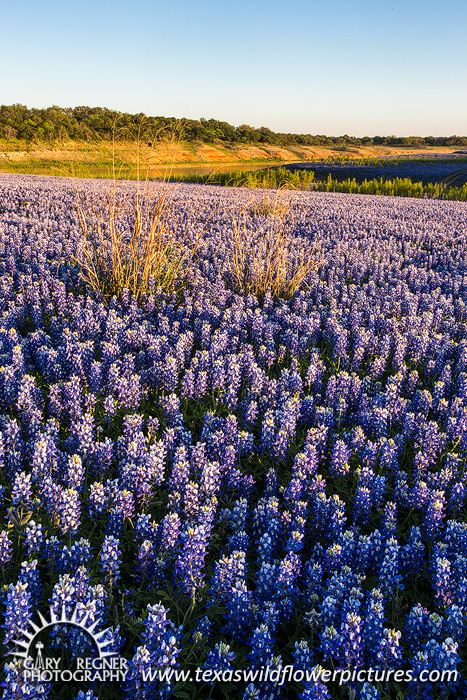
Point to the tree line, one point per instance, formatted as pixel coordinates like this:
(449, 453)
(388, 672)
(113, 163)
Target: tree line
(88, 124)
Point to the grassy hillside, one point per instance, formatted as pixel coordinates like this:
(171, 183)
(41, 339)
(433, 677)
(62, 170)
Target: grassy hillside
(105, 158)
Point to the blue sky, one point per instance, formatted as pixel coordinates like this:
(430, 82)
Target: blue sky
(333, 67)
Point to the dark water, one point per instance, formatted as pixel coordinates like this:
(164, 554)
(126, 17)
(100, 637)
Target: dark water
(418, 171)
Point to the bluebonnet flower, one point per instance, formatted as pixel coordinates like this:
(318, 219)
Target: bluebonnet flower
(315, 689)
(388, 456)
(286, 420)
(389, 578)
(30, 401)
(457, 497)
(188, 384)
(434, 625)
(203, 630)
(144, 559)
(455, 536)
(169, 531)
(140, 665)
(330, 643)
(288, 570)
(75, 473)
(420, 663)
(389, 652)
(389, 519)
(210, 478)
(313, 577)
(21, 493)
(110, 557)
(261, 644)
(42, 460)
(110, 408)
(416, 627)
(101, 457)
(443, 657)
(189, 564)
(443, 583)
(433, 519)
(228, 571)
(34, 536)
(69, 511)
(29, 575)
(180, 475)
(413, 553)
(156, 626)
(97, 500)
(266, 581)
(239, 611)
(15, 687)
(396, 325)
(52, 550)
(192, 504)
(303, 655)
(64, 595)
(6, 548)
(18, 611)
(237, 517)
(251, 692)
(159, 651)
(115, 523)
(455, 624)
(333, 557)
(368, 692)
(351, 640)
(233, 381)
(69, 560)
(363, 503)
(268, 431)
(295, 542)
(145, 528)
(266, 547)
(339, 465)
(374, 618)
(328, 515)
(219, 659)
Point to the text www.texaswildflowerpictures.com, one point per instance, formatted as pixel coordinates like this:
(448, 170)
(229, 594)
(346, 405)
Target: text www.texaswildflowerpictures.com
(289, 674)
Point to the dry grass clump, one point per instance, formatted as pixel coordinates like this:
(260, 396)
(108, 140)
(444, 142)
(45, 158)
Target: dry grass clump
(276, 205)
(269, 258)
(131, 246)
(129, 241)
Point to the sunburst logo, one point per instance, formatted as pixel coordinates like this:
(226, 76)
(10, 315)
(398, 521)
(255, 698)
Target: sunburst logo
(76, 619)
(107, 665)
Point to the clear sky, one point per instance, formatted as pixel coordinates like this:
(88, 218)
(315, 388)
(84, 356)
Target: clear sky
(357, 67)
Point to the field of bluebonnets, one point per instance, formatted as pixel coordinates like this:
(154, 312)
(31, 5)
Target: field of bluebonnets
(228, 482)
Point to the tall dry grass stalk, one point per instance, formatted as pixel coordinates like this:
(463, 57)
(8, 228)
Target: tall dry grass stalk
(146, 255)
(271, 205)
(270, 258)
(131, 245)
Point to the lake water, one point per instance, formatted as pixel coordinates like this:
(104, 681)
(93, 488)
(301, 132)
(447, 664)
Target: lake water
(211, 169)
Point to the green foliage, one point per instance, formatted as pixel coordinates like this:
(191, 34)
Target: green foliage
(305, 180)
(399, 187)
(98, 123)
(279, 178)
